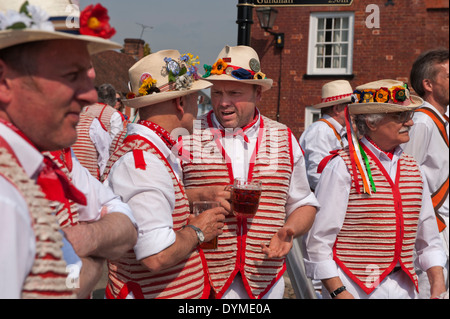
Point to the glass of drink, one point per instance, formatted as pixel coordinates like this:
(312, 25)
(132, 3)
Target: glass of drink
(198, 208)
(245, 197)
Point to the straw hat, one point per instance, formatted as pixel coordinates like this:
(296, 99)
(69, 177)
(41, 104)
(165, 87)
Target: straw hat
(335, 92)
(163, 76)
(240, 63)
(54, 20)
(383, 96)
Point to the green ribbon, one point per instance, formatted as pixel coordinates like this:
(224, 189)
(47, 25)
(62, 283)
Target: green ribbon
(369, 172)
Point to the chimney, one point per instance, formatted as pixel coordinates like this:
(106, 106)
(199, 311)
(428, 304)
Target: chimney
(134, 48)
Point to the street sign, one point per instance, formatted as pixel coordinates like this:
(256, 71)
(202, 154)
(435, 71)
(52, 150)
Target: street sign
(288, 3)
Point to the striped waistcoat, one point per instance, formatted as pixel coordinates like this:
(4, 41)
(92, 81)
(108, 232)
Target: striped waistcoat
(380, 230)
(239, 249)
(84, 148)
(47, 278)
(186, 280)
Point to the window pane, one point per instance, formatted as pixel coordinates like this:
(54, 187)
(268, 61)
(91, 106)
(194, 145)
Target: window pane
(319, 63)
(329, 24)
(344, 36)
(327, 63)
(344, 49)
(336, 36)
(336, 49)
(321, 24)
(337, 23)
(344, 23)
(320, 36)
(336, 64)
(328, 36)
(344, 62)
(320, 50)
(328, 49)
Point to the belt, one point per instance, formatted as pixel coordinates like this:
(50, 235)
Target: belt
(395, 270)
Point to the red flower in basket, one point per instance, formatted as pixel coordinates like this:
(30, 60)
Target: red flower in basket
(94, 21)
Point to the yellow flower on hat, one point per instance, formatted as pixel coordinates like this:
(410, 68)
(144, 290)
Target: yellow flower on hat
(368, 96)
(382, 95)
(146, 86)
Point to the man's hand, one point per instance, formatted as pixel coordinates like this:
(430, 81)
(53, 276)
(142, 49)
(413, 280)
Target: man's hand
(280, 244)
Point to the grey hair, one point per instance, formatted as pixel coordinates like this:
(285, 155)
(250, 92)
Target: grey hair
(107, 94)
(362, 121)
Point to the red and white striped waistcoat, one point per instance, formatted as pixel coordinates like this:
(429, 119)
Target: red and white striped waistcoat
(47, 278)
(84, 148)
(379, 230)
(186, 280)
(239, 247)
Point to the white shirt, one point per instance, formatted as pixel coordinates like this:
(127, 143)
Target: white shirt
(17, 240)
(240, 154)
(317, 142)
(150, 193)
(333, 192)
(430, 151)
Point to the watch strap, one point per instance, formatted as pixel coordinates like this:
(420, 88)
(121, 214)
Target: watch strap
(337, 291)
(197, 232)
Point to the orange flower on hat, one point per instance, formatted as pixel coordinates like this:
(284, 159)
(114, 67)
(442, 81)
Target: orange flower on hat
(219, 67)
(382, 95)
(94, 21)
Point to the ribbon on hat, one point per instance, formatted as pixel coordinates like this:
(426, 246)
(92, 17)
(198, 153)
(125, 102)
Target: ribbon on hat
(358, 159)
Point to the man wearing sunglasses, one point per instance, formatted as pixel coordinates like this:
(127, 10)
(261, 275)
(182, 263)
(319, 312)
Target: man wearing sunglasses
(376, 211)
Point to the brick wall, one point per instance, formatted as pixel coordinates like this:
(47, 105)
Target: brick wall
(406, 29)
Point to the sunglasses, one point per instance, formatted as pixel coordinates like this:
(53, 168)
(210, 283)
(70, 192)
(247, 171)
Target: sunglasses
(402, 117)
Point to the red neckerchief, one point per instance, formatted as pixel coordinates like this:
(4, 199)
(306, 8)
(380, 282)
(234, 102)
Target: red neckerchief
(241, 131)
(389, 154)
(161, 132)
(54, 183)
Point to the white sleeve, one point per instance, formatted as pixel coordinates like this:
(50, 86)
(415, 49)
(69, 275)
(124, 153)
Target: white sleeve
(330, 217)
(151, 196)
(299, 191)
(116, 123)
(17, 241)
(102, 141)
(97, 194)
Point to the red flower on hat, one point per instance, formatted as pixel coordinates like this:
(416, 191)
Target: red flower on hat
(94, 21)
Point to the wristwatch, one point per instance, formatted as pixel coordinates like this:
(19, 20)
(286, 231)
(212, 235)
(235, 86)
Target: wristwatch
(198, 231)
(337, 292)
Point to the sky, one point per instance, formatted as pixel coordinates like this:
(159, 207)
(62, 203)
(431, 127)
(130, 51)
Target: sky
(200, 27)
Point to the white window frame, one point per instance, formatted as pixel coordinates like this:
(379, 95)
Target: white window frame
(312, 46)
(309, 115)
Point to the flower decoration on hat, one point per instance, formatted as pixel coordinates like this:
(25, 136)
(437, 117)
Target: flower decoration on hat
(182, 72)
(29, 16)
(396, 95)
(94, 21)
(148, 86)
(382, 95)
(219, 67)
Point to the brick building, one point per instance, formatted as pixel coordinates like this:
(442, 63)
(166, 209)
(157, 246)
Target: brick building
(366, 41)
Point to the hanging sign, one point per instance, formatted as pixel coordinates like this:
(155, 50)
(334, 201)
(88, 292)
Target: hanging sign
(288, 3)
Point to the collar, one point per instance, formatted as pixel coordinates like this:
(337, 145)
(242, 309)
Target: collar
(138, 129)
(443, 118)
(249, 131)
(339, 128)
(392, 156)
(29, 157)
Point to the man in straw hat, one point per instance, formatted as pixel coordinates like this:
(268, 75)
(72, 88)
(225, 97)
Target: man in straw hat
(429, 137)
(375, 206)
(145, 171)
(236, 141)
(328, 133)
(46, 78)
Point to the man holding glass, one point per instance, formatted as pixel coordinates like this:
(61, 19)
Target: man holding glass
(234, 141)
(145, 171)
